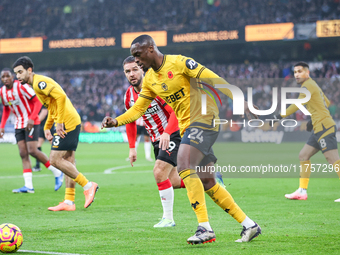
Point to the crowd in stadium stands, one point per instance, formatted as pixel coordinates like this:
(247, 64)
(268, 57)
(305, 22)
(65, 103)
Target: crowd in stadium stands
(98, 93)
(104, 18)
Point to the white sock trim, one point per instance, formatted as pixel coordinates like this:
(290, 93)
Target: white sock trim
(28, 180)
(206, 225)
(167, 199)
(87, 186)
(55, 171)
(247, 223)
(68, 202)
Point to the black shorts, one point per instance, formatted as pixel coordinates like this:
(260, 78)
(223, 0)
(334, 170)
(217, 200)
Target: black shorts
(69, 143)
(203, 140)
(324, 140)
(28, 136)
(141, 130)
(41, 130)
(169, 155)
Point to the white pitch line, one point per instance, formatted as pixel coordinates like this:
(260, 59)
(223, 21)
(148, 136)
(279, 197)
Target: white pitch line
(107, 171)
(49, 252)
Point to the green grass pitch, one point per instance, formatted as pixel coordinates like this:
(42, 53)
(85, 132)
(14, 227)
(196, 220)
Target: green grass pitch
(127, 205)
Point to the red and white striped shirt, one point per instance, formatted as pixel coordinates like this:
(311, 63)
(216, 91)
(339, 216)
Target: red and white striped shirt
(155, 118)
(17, 99)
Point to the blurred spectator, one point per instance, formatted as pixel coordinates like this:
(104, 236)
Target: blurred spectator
(104, 18)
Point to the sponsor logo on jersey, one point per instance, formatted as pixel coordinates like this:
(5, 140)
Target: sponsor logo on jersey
(164, 87)
(191, 64)
(175, 96)
(152, 110)
(42, 85)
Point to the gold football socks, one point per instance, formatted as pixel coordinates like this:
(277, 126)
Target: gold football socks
(305, 174)
(81, 180)
(70, 194)
(195, 193)
(224, 200)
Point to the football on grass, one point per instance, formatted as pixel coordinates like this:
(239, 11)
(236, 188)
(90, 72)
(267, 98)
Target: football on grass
(10, 238)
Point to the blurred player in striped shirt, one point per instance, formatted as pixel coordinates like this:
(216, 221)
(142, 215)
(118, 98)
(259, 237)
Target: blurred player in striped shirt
(162, 126)
(21, 100)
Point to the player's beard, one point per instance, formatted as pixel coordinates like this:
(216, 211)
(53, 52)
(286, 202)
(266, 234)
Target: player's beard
(24, 81)
(136, 84)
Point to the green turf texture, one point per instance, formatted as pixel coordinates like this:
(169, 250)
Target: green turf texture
(127, 205)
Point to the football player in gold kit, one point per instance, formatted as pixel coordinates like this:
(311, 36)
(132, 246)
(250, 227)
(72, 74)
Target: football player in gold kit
(169, 76)
(323, 137)
(66, 121)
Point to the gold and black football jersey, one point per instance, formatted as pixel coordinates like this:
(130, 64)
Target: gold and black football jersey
(177, 82)
(317, 106)
(53, 97)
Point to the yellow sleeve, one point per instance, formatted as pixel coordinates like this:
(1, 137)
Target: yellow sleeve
(49, 122)
(52, 89)
(195, 70)
(59, 95)
(136, 111)
(326, 100)
(211, 78)
(44, 86)
(293, 108)
(290, 110)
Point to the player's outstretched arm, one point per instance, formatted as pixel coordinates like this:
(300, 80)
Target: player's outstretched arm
(131, 115)
(109, 122)
(211, 78)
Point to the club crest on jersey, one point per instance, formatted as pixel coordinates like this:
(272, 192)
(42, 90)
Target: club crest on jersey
(164, 87)
(170, 75)
(42, 85)
(191, 64)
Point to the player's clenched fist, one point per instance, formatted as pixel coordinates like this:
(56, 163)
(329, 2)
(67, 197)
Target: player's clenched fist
(109, 122)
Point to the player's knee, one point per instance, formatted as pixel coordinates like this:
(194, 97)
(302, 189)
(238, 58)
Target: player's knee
(303, 156)
(53, 161)
(23, 154)
(159, 175)
(33, 152)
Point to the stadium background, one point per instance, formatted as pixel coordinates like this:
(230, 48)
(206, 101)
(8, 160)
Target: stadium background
(82, 43)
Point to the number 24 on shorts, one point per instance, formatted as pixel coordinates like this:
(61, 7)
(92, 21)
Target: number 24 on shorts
(196, 134)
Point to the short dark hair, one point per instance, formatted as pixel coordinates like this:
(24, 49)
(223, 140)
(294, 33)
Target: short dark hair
(7, 70)
(303, 64)
(129, 59)
(24, 61)
(144, 39)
